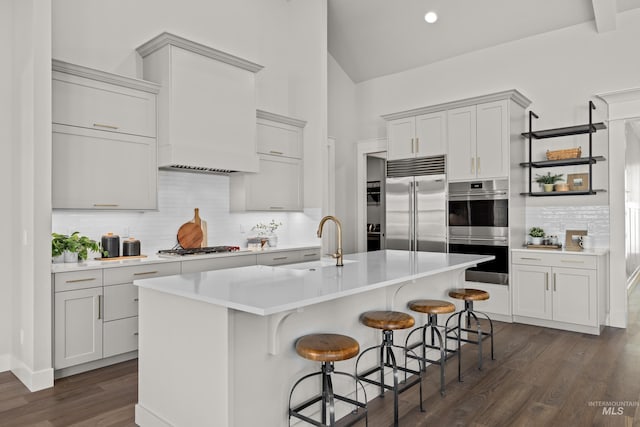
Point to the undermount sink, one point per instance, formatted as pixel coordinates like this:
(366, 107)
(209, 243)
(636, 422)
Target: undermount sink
(321, 263)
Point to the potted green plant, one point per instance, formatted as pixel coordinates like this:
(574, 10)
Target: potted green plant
(73, 248)
(536, 234)
(547, 181)
(268, 231)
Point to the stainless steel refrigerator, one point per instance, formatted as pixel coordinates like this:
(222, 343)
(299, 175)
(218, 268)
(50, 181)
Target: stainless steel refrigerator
(416, 205)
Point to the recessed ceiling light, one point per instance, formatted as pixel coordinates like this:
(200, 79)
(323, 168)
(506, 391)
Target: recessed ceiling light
(431, 17)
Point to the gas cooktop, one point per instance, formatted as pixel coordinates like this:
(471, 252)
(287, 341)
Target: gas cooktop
(198, 251)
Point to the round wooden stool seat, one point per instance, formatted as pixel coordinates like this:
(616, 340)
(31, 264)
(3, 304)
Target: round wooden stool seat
(469, 294)
(327, 347)
(387, 320)
(431, 306)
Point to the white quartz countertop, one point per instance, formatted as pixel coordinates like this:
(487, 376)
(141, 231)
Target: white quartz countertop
(264, 290)
(155, 259)
(595, 251)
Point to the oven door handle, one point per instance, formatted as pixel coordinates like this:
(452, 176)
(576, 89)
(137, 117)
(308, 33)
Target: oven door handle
(469, 240)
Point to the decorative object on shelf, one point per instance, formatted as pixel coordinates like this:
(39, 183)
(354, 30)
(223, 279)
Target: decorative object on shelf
(561, 186)
(268, 231)
(548, 180)
(578, 181)
(536, 234)
(569, 153)
(572, 242)
(565, 157)
(373, 193)
(586, 242)
(73, 248)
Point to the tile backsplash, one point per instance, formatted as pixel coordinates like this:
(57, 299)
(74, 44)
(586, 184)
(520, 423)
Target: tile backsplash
(178, 194)
(556, 220)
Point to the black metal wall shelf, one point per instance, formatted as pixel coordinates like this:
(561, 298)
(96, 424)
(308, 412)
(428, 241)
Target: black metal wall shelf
(564, 162)
(589, 128)
(566, 131)
(562, 193)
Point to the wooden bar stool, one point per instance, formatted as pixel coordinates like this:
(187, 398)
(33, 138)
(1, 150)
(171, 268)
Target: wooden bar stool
(328, 348)
(432, 308)
(388, 321)
(469, 296)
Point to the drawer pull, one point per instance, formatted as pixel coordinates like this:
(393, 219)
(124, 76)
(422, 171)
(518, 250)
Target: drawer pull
(100, 125)
(135, 334)
(276, 207)
(145, 273)
(310, 255)
(280, 258)
(280, 153)
(572, 261)
(81, 280)
(531, 259)
(135, 300)
(105, 205)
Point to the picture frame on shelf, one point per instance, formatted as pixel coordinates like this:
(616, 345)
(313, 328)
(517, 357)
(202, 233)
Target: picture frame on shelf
(578, 181)
(572, 242)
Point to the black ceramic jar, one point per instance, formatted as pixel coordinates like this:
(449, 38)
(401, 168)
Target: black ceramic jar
(111, 245)
(131, 247)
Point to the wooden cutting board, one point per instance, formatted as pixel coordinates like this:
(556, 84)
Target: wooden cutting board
(190, 235)
(203, 225)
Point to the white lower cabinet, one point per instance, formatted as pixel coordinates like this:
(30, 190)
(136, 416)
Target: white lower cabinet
(120, 336)
(78, 326)
(565, 291)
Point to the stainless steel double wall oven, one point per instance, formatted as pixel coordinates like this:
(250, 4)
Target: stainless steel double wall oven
(479, 224)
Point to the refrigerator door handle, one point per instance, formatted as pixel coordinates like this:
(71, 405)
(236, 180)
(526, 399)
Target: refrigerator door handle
(411, 217)
(415, 215)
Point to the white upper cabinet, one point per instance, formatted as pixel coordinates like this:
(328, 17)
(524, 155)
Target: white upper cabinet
(102, 106)
(279, 184)
(474, 133)
(207, 113)
(104, 153)
(492, 140)
(417, 136)
(461, 160)
(479, 141)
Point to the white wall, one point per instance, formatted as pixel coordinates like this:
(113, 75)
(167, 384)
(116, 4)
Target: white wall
(6, 175)
(343, 115)
(31, 198)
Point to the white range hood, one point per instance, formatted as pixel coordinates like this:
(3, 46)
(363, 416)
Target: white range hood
(206, 106)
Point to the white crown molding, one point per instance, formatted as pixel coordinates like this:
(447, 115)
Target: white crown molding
(261, 114)
(512, 94)
(623, 104)
(103, 76)
(165, 39)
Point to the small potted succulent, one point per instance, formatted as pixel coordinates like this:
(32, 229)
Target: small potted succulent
(547, 181)
(268, 231)
(536, 234)
(72, 248)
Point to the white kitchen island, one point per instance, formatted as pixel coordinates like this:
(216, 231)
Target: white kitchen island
(217, 348)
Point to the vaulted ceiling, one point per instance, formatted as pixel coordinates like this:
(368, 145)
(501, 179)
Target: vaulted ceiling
(373, 38)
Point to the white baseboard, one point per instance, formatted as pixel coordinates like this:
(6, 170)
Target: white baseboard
(33, 380)
(5, 362)
(146, 418)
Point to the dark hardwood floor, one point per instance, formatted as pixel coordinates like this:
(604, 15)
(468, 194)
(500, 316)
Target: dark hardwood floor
(541, 377)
